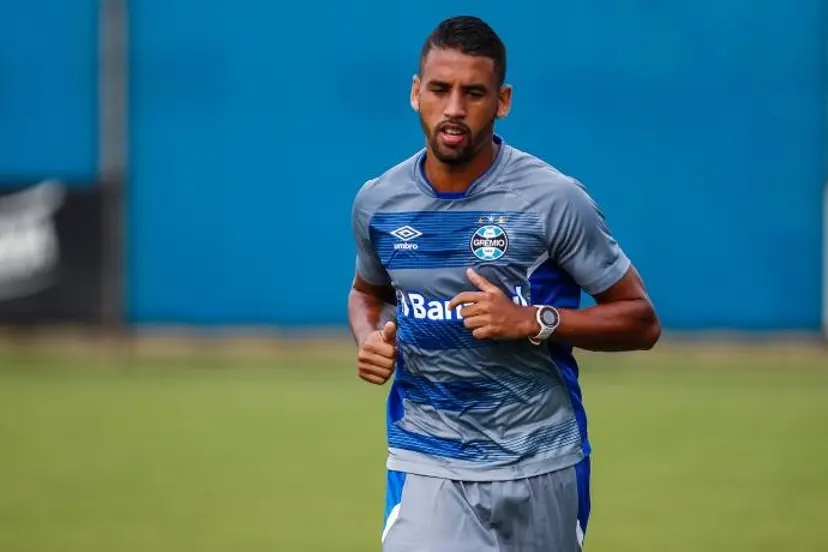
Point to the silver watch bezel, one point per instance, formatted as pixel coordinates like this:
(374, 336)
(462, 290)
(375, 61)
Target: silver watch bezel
(546, 330)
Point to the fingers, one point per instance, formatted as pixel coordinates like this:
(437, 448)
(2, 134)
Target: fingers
(474, 322)
(380, 348)
(376, 359)
(483, 327)
(375, 375)
(482, 283)
(376, 380)
(375, 368)
(465, 297)
(383, 362)
(389, 332)
(377, 371)
(472, 310)
(484, 332)
(487, 289)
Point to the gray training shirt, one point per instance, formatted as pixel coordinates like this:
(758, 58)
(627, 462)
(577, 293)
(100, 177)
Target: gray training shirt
(459, 407)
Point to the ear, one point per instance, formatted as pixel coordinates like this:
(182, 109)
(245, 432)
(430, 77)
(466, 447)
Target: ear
(415, 93)
(504, 101)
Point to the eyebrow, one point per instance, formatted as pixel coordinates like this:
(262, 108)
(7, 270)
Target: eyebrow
(468, 87)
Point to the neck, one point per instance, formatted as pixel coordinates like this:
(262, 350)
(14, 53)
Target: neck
(445, 178)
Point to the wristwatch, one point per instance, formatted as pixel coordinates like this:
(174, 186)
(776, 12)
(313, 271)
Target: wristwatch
(548, 319)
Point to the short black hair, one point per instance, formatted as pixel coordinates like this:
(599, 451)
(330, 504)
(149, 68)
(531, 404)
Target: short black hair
(470, 35)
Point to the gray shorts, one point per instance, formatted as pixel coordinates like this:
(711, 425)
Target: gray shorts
(543, 513)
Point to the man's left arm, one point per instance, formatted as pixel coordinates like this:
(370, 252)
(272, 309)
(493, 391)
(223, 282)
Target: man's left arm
(623, 318)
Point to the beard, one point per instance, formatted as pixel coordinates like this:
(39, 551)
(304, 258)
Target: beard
(462, 153)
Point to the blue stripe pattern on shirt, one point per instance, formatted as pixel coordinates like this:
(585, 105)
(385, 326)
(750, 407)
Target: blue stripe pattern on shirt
(443, 238)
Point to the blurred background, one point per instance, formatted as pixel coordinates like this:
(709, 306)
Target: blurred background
(176, 181)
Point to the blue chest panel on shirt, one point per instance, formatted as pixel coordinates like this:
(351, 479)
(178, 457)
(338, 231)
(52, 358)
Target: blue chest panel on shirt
(446, 239)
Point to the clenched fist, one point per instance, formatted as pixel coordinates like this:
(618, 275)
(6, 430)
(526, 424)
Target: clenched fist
(377, 355)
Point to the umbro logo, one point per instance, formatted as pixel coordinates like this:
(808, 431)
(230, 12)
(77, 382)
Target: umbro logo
(406, 233)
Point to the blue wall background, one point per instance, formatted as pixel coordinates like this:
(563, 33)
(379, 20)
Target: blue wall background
(48, 89)
(699, 125)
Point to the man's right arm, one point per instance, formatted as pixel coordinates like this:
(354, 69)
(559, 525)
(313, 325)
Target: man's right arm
(366, 303)
(371, 291)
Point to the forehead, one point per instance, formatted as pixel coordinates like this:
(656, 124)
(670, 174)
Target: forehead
(453, 66)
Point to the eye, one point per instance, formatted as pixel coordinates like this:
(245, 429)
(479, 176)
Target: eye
(475, 91)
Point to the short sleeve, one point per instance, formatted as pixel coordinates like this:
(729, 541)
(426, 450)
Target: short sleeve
(368, 265)
(582, 243)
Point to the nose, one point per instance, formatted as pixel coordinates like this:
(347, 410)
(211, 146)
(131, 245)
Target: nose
(455, 106)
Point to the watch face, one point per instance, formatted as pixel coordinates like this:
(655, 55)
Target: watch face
(549, 317)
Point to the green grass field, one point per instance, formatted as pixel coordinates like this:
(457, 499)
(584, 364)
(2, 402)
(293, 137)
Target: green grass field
(695, 449)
